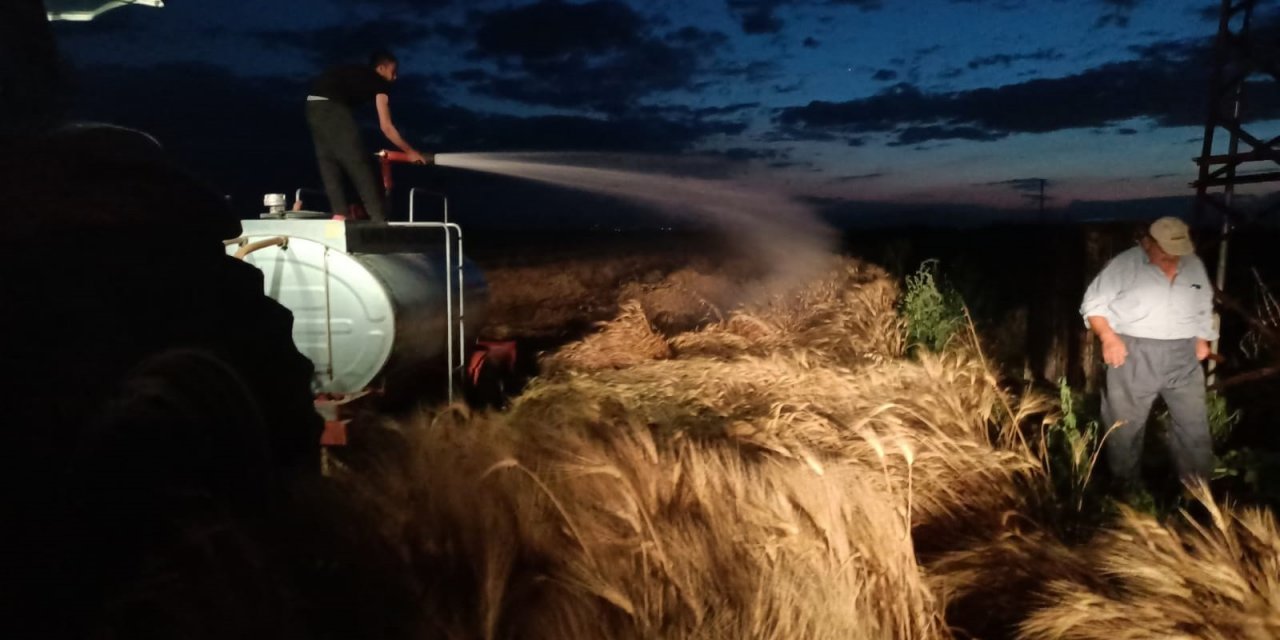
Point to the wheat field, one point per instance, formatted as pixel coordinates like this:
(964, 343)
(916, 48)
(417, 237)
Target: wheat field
(782, 466)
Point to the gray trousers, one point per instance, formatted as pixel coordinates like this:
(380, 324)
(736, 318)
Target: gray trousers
(1167, 368)
(340, 150)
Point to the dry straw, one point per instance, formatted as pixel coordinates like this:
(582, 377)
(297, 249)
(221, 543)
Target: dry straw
(929, 422)
(846, 317)
(604, 530)
(783, 472)
(625, 341)
(1215, 577)
(761, 476)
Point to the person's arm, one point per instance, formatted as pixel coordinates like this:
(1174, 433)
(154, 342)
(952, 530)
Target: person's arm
(389, 130)
(1113, 349)
(1096, 309)
(1206, 332)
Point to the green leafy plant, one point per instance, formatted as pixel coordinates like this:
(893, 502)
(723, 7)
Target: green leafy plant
(1222, 420)
(1070, 449)
(1248, 469)
(933, 310)
(1255, 470)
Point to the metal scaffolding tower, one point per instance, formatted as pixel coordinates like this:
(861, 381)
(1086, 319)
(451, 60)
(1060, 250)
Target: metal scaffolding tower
(1241, 54)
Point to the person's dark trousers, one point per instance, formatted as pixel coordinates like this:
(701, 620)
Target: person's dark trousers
(339, 150)
(1167, 368)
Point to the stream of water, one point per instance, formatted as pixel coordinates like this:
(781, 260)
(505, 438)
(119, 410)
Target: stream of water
(766, 220)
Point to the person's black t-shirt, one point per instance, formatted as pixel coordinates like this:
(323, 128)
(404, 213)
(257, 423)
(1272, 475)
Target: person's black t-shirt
(351, 85)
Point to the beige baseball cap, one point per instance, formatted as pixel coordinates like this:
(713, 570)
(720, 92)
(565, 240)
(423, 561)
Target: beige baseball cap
(1173, 236)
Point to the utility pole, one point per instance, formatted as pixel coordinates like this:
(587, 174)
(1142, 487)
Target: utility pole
(1039, 199)
(1042, 181)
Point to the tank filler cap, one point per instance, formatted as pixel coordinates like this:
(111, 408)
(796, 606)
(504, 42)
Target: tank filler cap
(275, 204)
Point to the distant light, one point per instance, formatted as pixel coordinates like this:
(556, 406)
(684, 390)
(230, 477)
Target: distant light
(85, 15)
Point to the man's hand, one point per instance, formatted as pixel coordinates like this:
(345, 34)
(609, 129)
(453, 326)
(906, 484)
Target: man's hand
(1202, 349)
(1114, 351)
(417, 158)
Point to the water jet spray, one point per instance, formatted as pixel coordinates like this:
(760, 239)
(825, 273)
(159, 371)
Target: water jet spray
(772, 225)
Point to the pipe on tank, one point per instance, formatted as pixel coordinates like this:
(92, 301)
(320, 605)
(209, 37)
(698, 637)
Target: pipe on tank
(278, 241)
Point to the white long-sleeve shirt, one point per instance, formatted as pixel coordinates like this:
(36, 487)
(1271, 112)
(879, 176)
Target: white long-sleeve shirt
(1139, 300)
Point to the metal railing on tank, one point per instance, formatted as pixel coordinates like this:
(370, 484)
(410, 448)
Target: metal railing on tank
(386, 159)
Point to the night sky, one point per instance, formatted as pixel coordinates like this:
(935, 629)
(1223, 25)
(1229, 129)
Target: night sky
(955, 102)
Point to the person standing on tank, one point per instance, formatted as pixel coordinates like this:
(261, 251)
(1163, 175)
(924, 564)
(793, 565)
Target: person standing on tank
(339, 148)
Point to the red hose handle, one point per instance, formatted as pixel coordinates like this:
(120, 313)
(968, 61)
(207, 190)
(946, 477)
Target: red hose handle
(385, 158)
(393, 156)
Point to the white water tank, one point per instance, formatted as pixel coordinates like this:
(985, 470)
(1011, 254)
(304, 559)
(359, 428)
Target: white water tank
(372, 304)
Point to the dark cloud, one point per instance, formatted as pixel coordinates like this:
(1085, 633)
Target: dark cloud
(1007, 59)
(1159, 85)
(1172, 50)
(858, 178)
(414, 7)
(744, 153)
(1019, 184)
(462, 129)
(455, 34)
(550, 30)
(1208, 12)
(1116, 13)
(761, 16)
(757, 16)
(1003, 5)
(1030, 188)
(468, 76)
(909, 68)
(600, 56)
(1126, 131)
(927, 133)
(249, 136)
(413, 86)
(347, 42)
(754, 71)
(701, 40)
(723, 119)
(787, 133)
(885, 75)
(862, 5)
(811, 42)
(725, 110)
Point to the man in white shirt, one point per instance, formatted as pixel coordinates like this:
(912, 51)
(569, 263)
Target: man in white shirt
(1152, 308)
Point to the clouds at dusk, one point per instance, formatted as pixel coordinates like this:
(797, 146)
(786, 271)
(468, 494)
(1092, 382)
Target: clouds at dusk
(930, 93)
